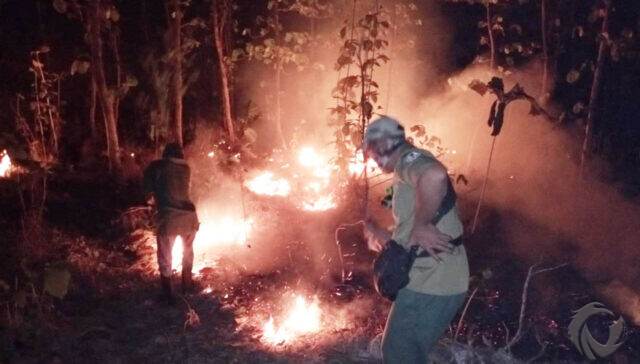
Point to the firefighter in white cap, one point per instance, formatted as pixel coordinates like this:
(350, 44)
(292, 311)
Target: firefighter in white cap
(424, 212)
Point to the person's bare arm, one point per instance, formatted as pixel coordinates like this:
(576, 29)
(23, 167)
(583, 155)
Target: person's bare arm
(431, 187)
(375, 234)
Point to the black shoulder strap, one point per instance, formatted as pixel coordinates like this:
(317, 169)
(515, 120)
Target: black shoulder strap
(448, 202)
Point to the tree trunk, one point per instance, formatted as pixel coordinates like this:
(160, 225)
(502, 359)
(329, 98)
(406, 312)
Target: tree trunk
(116, 54)
(278, 78)
(92, 108)
(492, 42)
(595, 89)
(545, 50)
(218, 15)
(176, 78)
(145, 23)
(106, 96)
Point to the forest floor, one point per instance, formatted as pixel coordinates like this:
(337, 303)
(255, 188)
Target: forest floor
(112, 312)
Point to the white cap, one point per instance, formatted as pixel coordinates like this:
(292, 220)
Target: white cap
(384, 127)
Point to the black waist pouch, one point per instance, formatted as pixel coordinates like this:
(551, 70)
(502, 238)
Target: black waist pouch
(391, 268)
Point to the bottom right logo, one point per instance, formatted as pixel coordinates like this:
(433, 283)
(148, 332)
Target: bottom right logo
(581, 337)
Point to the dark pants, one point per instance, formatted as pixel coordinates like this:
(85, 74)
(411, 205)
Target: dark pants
(165, 246)
(415, 324)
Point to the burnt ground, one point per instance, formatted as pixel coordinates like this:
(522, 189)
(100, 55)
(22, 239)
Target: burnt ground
(111, 312)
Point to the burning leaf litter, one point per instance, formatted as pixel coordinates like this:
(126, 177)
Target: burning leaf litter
(7, 168)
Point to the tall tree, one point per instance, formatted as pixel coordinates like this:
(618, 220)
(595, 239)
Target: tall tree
(107, 97)
(98, 17)
(545, 50)
(220, 12)
(595, 86)
(175, 26)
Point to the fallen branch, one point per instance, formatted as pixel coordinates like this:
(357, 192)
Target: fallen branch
(525, 290)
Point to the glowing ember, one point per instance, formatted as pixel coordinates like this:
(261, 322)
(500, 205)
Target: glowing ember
(357, 165)
(304, 318)
(265, 184)
(5, 164)
(321, 204)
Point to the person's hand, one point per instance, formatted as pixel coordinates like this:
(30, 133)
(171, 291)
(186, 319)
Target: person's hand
(374, 235)
(432, 240)
(373, 243)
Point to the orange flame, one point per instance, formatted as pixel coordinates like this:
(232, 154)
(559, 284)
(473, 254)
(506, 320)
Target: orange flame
(357, 165)
(303, 318)
(321, 204)
(265, 184)
(309, 158)
(224, 232)
(176, 254)
(5, 164)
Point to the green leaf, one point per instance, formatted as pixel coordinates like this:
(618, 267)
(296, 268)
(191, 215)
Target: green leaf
(479, 87)
(419, 130)
(573, 76)
(131, 81)
(60, 6)
(21, 299)
(56, 279)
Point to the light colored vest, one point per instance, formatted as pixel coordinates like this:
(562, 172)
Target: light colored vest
(449, 277)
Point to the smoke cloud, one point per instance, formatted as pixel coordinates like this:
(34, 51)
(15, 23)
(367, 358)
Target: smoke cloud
(545, 209)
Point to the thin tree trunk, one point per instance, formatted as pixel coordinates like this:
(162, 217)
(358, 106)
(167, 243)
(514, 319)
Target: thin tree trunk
(92, 108)
(217, 17)
(116, 55)
(176, 77)
(492, 42)
(278, 78)
(145, 23)
(106, 98)
(595, 90)
(484, 186)
(545, 50)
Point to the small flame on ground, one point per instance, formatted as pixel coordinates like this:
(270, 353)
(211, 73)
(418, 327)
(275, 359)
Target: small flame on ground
(308, 157)
(5, 164)
(265, 184)
(302, 319)
(225, 231)
(321, 204)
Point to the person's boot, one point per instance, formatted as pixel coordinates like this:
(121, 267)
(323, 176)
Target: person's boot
(187, 282)
(167, 290)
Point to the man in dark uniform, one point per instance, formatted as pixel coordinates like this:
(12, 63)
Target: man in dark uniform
(168, 179)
